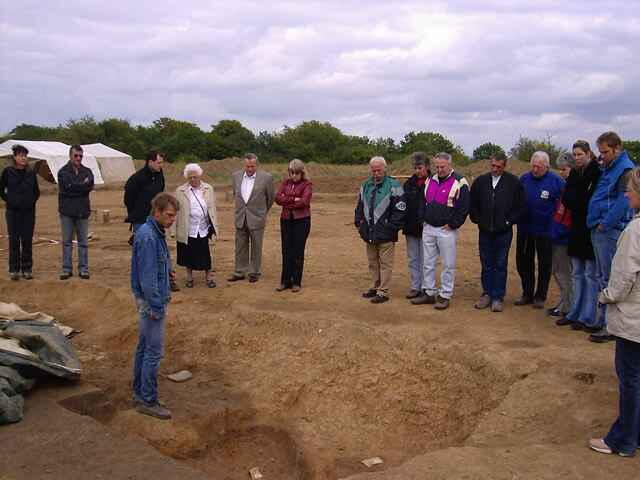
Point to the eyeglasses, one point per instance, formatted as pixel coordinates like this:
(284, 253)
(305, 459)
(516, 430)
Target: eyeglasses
(77, 155)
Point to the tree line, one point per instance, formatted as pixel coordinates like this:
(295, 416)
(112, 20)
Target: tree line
(311, 141)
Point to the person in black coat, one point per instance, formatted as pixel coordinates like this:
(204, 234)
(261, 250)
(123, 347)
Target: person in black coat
(141, 187)
(497, 203)
(75, 183)
(580, 186)
(413, 222)
(19, 189)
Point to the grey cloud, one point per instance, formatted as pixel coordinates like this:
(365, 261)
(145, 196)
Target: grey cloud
(473, 71)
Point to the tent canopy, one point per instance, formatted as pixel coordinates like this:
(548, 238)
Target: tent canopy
(52, 154)
(115, 166)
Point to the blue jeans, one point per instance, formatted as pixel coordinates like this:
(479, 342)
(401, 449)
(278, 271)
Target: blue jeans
(415, 254)
(494, 257)
(604, 248)
(149, 351)
(624, 435)
(79, 227)
(585, 292)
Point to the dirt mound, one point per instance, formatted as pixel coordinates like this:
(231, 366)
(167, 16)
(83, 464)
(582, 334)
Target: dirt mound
(338, 393)
(307, 385)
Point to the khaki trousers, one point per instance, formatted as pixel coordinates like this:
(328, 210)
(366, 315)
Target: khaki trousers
(380, 258)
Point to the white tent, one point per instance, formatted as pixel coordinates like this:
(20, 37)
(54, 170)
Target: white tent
(114, 165)
(53, 155)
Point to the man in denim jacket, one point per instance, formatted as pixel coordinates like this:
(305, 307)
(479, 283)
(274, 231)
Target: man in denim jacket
(150, 275)
(608, 215)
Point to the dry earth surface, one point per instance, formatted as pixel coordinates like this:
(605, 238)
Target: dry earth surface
(305, 386)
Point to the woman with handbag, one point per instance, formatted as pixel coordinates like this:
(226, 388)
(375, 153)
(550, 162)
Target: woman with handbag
(196, 224)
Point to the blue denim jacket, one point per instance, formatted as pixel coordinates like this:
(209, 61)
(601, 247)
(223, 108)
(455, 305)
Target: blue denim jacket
(150, 266)
(608, 204)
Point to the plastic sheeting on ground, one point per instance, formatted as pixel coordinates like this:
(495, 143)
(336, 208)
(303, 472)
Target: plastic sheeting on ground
(31, 345)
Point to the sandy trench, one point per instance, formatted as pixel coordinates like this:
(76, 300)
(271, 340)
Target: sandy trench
(304, 386)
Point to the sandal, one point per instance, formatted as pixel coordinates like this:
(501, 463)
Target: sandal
(188, 284)
(211, 283)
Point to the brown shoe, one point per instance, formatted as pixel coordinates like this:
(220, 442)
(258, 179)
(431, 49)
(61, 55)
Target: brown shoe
(483, 302)
(538, 303)
(413, 294)
(253, 278)
(156, 411)
(296, 288)
(423, 299)
(235, 277)
(442, 303)
(380, 299)
(497, 305)
(522, 301)
(281, 288)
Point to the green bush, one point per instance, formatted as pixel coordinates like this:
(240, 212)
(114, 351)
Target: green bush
(185, 158)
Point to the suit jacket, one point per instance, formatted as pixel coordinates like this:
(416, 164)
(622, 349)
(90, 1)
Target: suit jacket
(254, 212)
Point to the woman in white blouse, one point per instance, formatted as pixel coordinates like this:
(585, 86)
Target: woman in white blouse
(196, 224)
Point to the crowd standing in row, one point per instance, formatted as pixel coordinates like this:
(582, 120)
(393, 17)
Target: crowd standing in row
(578, 224)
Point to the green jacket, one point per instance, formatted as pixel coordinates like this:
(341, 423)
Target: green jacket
(380, 212)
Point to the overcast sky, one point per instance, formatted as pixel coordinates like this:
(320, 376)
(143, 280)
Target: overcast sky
(474, 71)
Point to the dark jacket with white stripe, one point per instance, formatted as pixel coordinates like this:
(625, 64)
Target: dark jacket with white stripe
(380, 211)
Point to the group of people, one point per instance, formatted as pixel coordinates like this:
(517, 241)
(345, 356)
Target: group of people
(578, 226)
(20, 191)
(191, 216)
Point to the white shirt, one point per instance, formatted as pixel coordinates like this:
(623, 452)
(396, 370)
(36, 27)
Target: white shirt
(198, 219)
(495, 180)
(247, 186)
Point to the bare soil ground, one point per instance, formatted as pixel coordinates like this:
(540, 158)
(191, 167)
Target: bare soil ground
(305, 386)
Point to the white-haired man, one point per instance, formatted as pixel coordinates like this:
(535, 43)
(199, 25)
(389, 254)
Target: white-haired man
(379, 216)
(542, 190)
(445, 211)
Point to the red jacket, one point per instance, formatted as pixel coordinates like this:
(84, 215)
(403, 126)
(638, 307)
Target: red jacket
(287, 195)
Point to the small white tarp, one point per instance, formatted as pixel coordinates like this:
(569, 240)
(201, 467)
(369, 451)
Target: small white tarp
(115, 166)
(54, 154)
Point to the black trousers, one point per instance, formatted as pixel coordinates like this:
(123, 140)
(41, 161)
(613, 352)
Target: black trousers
(294, 235)
(20, 225)
(528, 246)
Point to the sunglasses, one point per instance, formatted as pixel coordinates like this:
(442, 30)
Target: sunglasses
(77, 155)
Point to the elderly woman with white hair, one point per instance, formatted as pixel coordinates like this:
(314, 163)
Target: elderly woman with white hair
(543, 189)
(196, 224)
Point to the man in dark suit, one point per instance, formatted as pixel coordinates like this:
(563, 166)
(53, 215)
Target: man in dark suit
(254, 194)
